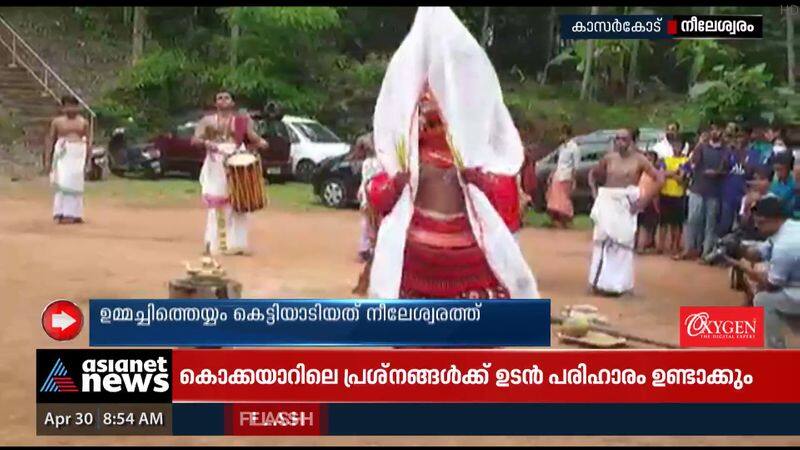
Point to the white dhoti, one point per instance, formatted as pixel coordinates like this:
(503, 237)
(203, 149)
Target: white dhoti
(614, 238)
(66, 176)
(226, 229)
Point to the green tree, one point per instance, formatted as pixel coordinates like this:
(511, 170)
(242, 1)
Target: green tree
(740, 93)
(702, 55)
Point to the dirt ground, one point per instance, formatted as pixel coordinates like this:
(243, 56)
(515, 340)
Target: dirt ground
(127, 252)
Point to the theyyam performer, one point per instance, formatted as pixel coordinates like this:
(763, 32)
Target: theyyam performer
(223, 134)
(448, 196)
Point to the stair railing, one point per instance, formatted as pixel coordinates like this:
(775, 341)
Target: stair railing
(23, 55)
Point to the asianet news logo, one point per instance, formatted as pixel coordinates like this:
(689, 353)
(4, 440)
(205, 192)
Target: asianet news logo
(103, 376)
(722, 326)
(130, 375)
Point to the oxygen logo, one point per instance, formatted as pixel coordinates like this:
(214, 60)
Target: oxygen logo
(722, 326)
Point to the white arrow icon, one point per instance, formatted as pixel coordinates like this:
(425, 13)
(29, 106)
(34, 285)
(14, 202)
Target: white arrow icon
(62, 320)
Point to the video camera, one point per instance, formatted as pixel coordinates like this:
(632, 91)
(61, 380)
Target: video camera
(730, 245)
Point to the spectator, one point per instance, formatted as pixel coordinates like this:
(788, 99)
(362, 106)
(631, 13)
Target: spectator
(778, 285)
(370, 166)
(733, 185)
(647, 220)
(704, 192)
(664, 147)
(759, 152)
(779, 148)
(672, 199)
(757, 189)
(562, 182)
(783, 185)
(730, 134)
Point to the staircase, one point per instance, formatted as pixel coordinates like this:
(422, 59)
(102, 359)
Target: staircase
(31, 106)
(30, 90)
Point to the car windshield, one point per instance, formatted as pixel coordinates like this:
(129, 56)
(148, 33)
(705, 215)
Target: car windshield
(316, 132)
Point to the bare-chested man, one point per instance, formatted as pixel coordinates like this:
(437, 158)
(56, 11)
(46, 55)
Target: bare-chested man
(222, 134)
(66, 152)
(614, 213)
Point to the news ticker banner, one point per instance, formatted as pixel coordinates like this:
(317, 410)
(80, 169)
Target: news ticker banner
(330, 322)
(575, 26)
(417, 392)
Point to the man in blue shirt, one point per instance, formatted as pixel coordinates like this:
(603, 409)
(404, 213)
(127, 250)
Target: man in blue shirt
(734, 185)
(759, 152)
(704, 193)
(779, 285)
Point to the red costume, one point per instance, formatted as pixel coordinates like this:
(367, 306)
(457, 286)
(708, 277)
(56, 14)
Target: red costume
(442, 259)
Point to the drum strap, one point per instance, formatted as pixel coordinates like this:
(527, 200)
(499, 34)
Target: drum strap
(240, 129)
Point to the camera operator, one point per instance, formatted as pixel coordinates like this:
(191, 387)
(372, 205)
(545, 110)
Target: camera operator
(778, 286)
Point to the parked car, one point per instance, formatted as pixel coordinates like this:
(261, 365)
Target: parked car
(175, 151)
(311, 143)
(337, 180)
(593, 147)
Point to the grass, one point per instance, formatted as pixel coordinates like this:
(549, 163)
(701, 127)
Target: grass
(170, 192)
(177, 192)
(542, 220)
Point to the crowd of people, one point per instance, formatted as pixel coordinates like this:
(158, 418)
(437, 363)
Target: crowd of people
(690, 200)
(709, 187)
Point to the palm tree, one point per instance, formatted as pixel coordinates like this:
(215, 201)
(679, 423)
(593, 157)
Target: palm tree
(139, 32)
(790, 49)
(587, 73)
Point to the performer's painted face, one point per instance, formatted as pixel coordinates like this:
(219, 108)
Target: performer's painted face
(224, 101)
(430, 115)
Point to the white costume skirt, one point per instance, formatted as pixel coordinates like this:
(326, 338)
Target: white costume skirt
(68, 205)
(612, 267)
(226, 230)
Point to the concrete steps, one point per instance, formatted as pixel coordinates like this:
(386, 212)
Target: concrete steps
(23, 97)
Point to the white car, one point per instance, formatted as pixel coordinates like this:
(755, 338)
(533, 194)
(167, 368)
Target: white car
(311, 143)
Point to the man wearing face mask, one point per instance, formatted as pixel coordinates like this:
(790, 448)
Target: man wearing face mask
(614, 214)
(707, 163)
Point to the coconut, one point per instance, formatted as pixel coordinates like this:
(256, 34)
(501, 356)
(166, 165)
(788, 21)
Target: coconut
(576, 326)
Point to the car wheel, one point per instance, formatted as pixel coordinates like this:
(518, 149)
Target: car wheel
(95, 173)
(333, 193)
(305, 170)
(275, 179)
(152, 174)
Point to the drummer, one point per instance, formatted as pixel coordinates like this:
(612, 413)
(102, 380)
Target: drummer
(222, 134)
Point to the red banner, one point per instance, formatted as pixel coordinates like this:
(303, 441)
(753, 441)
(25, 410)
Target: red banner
(550, 376)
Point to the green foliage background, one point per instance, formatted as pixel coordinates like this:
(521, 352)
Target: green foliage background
(328, 62)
